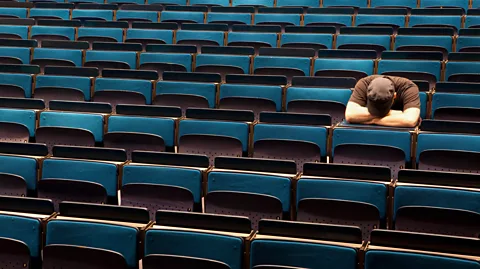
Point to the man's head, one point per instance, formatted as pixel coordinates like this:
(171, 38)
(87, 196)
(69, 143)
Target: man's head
(380, 96)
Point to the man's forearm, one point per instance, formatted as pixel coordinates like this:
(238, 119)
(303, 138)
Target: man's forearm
(396, 120)
(360, 115)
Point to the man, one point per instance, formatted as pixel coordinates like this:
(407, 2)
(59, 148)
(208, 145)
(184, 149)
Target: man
(384, 100)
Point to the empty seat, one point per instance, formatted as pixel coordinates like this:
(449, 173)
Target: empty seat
(18, 167)
(425, 39)
(444, 4)
(167, 58)
(139, 133)
(318, 96)
(436, 17)
(123, 91)
(472, 20)
(344, 63)
(442, 102)
(163, 181)
(229, 18)
(380, 19)
(419, 208)
(259, 36)
(418, 250)
(300, 238)
(467, 40)
(462, 67)
(149, 36)
(135, 15)
(41, 33)
(282, 19)
(381, 147)
(371, 38)
(99, 34)
(14, 31)
(169, 2)
(68, 88)
(308, 37)
(57, 57)
(16, 85)
(14, 55)
(185, 94)
(46, 13)
(213, 138)
(6, 12)
(344, 195)
(199, 237)
(329, 17)
(92, 14)
(210, 3)
(303, 3)
(182, 17)
(396, 3)
(256, 196)
(224, 60)
(278, 136)
(111, 59)
(262, 3)
(76, 129)
(19, 124)
(200, 38)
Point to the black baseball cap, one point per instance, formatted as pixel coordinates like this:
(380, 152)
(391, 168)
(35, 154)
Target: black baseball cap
(380, 94)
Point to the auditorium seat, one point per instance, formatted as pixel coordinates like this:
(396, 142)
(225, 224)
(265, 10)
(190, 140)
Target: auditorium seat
(92, 34)
(345, 3)
(464, 4)
(436, 17)
(200, 38)
(257, 3)
(123, 91)
(111, 59)
(284, 243)
(136, 15)
(16, 85)
(462, 67)
(345, 63)
(300, 3)
(374, 38)
(94, 235)
(67, 88)
(372, 146)
(163, 58)
(92, 14)
(139, 133)
(14, 31)
(344, 195)
(214, 132)
(283, 17)
(315, 38)
(420, 250)
(169, 2)
(182, 17)
(6, 12)
(425, 39)
(14, 55)
(467, 40)
(21, 234)
(256, 36)
(46, 13)
(320, 96)
(18, 167)
(455, 101)
(196, 240)
(278, 136)
(185, 90)
(149, 36)
(382, 17)
(224, 60)
(76, 129)
(230, 18)
(472, 20)
(18, 124)
(408, 4)
(437, 202)
(262, 192)
(337, 17)
(41, 33)
(56, 57)
(164, 181)
(210, 3)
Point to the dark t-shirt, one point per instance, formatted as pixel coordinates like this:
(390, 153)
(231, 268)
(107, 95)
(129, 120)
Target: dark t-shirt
(407, 92)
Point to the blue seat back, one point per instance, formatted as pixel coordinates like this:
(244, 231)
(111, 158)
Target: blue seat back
(93, 13)
(269, 38)
(25, 167)
(382, 40)
(297, 3)
(52, 30)
(134, 85)
(176, 58)
(81, 83)
(19, 12)
(197, 17)
(27, 230)
(216, 36)
(328, 18)
(328, 188)
(266, 3)
(275, 186)
(323, 39)
(351, 3)
(20, 116)
(22, 80)
(164, 127)
(445, 20)
(169, 2)
(136, 14)
(242, 61)
(286, 18)
(63, 14)
(104, 174)
(363, 65)
(210, 2)
(129, 57)
(293, 253)
(246, 18)
(461, 68)
(121, 239)
(436, 197)
(223, 248)
(441, 100)
(165, 35)
(394, 3)
(74, 56)
(472, 21)
(115, 33)
(380, 19)
(431, 67)
(467, 41)
(439, 41)
(429, 141)
(273, 93)
(238, 130)
(320, 94)
(302, 63)
(16, 52)
(188, 178)
(445, 3)
(397, 139)
(313, 134)
(90, 122)
(19, 30)
(207, 90)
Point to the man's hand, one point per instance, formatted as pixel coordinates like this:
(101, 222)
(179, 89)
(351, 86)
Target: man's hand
(407, 118)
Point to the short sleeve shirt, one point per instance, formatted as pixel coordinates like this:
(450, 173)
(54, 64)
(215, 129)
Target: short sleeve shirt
(407, 92)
